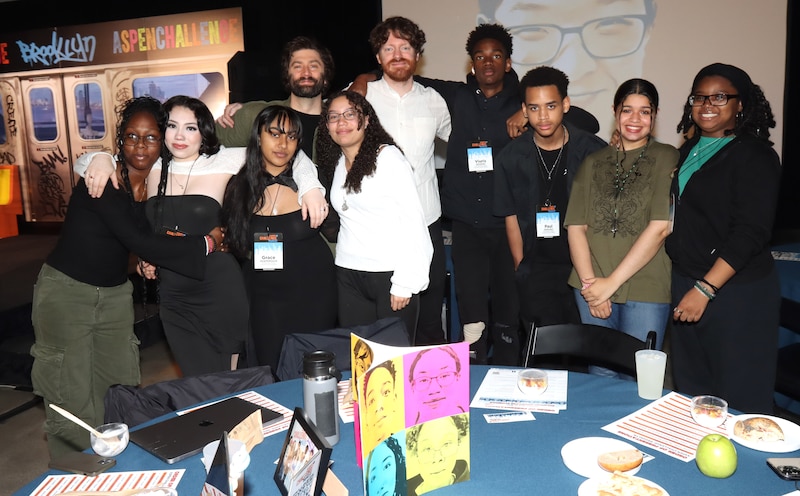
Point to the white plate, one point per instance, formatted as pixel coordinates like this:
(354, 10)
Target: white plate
(580, 455)
(791, 435)
(589, 486)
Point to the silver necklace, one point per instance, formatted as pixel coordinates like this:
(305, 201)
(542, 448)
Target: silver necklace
(698, 149)
(558, 157)
(188, 176)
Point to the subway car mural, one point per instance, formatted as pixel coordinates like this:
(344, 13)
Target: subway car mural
(60, 89)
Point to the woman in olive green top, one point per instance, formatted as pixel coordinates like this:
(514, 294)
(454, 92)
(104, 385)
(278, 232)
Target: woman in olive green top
(617, 221)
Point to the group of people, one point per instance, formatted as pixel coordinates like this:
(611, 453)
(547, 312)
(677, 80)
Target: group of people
(552, 225)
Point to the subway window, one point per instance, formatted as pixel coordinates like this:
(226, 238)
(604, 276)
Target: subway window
(207, 86)
(89, 109)
(44, 114)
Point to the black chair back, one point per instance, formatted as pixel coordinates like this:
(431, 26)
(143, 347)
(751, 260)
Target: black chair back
(389, 331)
(592, 344)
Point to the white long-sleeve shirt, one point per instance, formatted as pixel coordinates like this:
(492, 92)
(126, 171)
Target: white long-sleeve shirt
(415, 120)
(383, 228)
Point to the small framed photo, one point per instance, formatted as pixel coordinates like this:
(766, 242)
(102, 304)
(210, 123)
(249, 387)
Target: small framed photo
(304, 458)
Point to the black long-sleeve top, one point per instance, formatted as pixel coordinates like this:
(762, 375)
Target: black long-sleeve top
(99, 234)
(726, 211)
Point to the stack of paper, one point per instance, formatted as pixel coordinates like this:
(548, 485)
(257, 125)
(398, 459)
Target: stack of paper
(499, 391)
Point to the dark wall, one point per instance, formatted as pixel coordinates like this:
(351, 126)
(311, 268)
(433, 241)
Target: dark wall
(268, 24)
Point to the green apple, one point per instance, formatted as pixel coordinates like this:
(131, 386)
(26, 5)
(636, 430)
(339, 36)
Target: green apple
(716, 456)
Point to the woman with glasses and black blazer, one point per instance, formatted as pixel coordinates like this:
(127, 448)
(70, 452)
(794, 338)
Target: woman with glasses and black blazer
(725, 291)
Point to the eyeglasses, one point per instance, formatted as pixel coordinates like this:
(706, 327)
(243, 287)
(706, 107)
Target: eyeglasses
(348, 115)
(717, 100)
(604, 38)
(427, 454)
(424, 383)
(134, 139)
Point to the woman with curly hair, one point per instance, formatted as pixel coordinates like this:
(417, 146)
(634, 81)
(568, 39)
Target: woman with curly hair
(83, 301)
(725, 290)
(383, 250)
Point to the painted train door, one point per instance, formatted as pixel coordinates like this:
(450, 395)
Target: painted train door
(65, 116)
(48, 169)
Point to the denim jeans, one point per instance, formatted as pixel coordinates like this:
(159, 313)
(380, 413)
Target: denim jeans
(635, 318)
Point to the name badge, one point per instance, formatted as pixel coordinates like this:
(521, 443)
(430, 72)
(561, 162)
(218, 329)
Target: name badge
(268, 251)
(547, 223)
(479, 157)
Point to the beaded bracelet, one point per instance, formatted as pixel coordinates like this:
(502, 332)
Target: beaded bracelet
(703, 290)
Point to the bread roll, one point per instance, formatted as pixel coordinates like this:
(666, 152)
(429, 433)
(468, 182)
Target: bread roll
(758, 429)
(621, 461)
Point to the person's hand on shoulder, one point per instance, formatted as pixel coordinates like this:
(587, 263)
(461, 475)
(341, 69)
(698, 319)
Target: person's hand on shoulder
(515, 125)
(226, 119)
(359, 84)
(100, 170)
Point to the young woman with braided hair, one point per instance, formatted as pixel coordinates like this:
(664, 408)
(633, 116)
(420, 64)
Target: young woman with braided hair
(83, 303)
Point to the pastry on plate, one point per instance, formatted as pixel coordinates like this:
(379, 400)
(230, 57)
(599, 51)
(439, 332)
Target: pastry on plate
(758, 429)
(627, 485)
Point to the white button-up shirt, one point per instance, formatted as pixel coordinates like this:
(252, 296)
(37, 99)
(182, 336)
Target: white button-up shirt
(415, 120)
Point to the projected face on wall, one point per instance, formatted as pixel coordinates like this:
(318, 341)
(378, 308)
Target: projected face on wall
(597, 43)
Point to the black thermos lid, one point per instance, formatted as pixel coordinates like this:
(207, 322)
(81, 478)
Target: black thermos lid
(319, 364)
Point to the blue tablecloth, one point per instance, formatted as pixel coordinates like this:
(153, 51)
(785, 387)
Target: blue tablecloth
(516, 458)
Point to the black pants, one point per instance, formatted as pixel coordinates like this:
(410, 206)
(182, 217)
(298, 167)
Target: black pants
(545, 298)
(484, 276)
(429, 324)
(364, 298)
(731, 351)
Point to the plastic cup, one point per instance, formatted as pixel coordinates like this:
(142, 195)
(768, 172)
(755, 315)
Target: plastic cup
(650, 368)
(709, 411)
(114, 440)
(532, 382)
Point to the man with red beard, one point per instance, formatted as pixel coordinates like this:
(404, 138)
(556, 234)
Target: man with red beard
(415, 116)
(307, 70)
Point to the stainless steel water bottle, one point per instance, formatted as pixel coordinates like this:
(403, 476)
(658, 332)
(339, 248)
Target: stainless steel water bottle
(320, 396)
